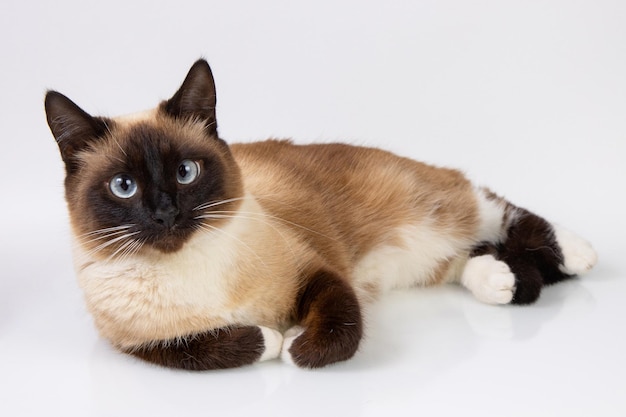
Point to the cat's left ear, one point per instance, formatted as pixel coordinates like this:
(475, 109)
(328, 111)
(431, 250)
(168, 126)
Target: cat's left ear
(196, 98)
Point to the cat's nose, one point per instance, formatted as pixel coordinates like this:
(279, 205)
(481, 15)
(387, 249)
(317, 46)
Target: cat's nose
(166, 216)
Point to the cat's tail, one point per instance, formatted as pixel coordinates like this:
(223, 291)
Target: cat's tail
(518, 253)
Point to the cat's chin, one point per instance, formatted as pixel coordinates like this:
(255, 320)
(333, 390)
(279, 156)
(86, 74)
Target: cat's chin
(171, 242)
(167, 246)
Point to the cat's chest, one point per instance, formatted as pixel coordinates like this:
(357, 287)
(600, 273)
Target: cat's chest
(220, 278)
(152, 296)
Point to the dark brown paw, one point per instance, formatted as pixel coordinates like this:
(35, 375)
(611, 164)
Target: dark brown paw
(315, 349)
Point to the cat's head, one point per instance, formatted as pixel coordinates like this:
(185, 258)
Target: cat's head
(146, 180)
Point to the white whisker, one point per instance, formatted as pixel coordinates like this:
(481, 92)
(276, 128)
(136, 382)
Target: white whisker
(210, 204)
(264, 215)
(260, 218)
(121, 249)
(132, 249)
(110, 242)
(102, 237)
(210, 228)
(107, 230)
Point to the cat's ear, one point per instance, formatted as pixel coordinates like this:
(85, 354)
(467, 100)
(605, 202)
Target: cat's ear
(195, 99)
(71, 126)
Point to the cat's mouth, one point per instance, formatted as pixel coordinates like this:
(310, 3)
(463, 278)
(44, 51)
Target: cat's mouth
(167, 245)
(169, 239)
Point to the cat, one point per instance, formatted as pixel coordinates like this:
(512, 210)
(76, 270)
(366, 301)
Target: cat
(196, 254)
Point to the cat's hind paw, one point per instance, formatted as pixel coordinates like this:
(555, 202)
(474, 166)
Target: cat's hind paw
(491, 281)
(578, 255)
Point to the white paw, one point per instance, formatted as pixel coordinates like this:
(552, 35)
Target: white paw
(290, 335)
(273, 341)
(578, 255)
(491, 281)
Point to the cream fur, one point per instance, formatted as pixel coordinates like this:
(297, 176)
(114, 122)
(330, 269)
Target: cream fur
(490, 280)
(491, 214)
(413, 260)
(155, 296)
(273, 341)
(578, 254)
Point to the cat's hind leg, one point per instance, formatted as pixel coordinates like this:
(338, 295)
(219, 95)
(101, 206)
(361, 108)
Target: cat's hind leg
(535, 252)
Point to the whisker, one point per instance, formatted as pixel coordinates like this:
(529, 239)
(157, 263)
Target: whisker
(210, 204)
(107, 229)
(110, 242)
(275, 200)
(265, 215)
(217, 229)
(261, 219)
(122, 248)
(131, 249)
(102, 237)
(136, 248)
(263, 197)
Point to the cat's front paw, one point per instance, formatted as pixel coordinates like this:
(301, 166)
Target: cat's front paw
(314, 349)
(578, 255)
(491, 281)
(272, 341)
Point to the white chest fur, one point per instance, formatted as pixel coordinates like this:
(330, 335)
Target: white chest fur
(205, 285)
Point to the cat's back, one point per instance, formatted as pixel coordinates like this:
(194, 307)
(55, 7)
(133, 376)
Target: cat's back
(348, 199)
(340, 174)
(328, 168)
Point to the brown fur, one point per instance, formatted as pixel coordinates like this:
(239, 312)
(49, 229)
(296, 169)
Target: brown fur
(216, 350)
(349, 200)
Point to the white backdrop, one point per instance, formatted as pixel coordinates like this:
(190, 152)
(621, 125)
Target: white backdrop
(528, 97)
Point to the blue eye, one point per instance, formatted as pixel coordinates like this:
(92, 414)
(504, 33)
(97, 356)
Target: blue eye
(187, 172)
(123, 186)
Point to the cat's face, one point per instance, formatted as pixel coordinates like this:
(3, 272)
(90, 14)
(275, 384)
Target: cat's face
(148, 181)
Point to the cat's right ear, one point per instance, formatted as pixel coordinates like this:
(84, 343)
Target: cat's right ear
(71, 126)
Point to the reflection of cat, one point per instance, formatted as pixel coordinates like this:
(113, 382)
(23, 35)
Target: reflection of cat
(196, 254)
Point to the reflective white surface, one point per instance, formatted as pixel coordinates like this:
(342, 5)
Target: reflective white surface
(526, 97)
